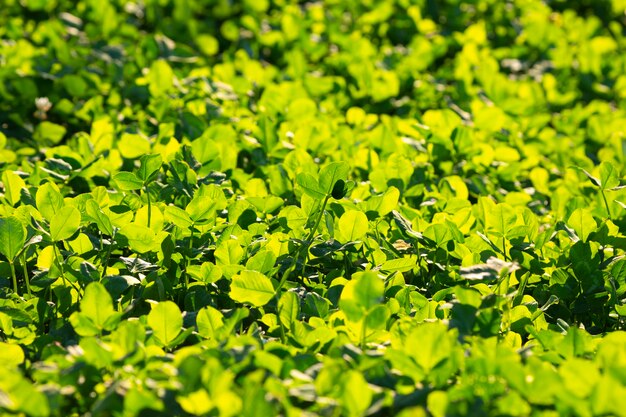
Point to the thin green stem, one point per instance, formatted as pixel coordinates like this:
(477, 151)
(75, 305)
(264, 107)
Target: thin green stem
(294, 260)
(520, 289)
(13, 277)
(57, 256)
(506, 257)
(311, 235)
(363, 334)
(606, 204)
(108, 255)
(419, 262)
(286, 275)
(149, 205)
(317, 222)
(188, 263)
(25, 270)
(283, 336)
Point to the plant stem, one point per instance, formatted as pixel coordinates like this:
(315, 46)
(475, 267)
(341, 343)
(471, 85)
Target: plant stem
(606, 204)
(286, 274)
(283, 336)
(57, 256)
(13, 277)
(312, 233)
(190, 248)
(26, 277)
(294, 260)
(363, 333)
(108, 255)
(317, 222)
(506, 258)
(149, 205)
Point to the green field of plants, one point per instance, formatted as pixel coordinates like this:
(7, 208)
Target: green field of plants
(257, 208)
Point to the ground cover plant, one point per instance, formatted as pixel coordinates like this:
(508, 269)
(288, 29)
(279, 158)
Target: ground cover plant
(334, 208)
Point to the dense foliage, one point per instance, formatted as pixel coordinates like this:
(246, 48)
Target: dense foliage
(336, 208)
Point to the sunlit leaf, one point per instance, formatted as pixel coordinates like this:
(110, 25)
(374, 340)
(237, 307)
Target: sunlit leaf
(582, 222)
(12, 237)
(251, 287)
(64, 223)
(166, 321)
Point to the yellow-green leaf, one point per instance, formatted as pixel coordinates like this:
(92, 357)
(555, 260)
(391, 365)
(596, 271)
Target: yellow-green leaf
(582, 222)
(166, 321)
(64, 223)
(251, 287)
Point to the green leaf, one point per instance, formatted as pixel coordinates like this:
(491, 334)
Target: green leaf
(12, 355)
(500, 220)
(364, 292)
(352, 226)
(140, 238)
(12, 237)
(207, 44)
(83, 325)
(178, 217)
(339, 190)
(608, 176)
(332, 173)
(160, 78)
(369, 290)
(377, 317)
(103, 222)
(429, 344)
(13, 185)
(228, 252)
(166, 321)
(50, 133)
(196, 403)
(577, 342)
(150, 165)
(266, 204)
(65, 223)
(97, 304)
(385, 203)
(21, 395)
(138, 399)
(263, 261)
(288, 308)
(438, 233)
(209, 321)
(201, 209)
(49, 200)
(582, 222)
(356, 393)
(310, 185)
(399, 265)
(405, 227)
(251, 287)
(127, 181)
(133, 145)
(207, 272)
